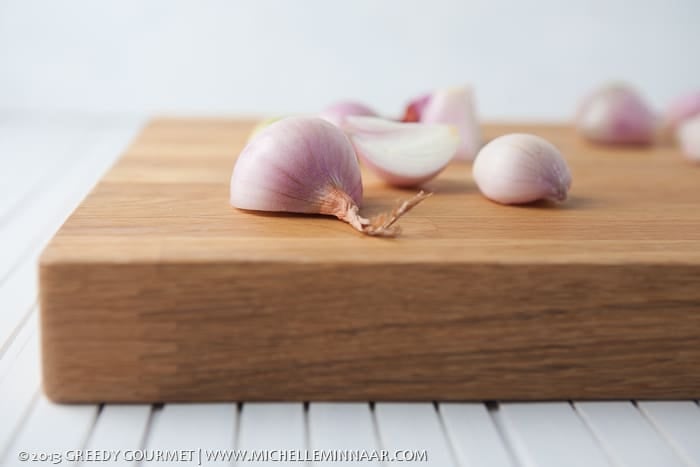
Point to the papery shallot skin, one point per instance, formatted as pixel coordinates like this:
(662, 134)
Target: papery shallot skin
(616, 114)
(293, 165)
(338, 112)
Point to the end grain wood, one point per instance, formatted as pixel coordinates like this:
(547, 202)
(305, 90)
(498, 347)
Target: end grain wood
(157, 290)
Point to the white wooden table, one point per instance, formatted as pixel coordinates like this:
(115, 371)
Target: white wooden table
(49, 163)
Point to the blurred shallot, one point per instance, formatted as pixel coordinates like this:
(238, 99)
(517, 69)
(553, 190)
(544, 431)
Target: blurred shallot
(681, 109)
(688, 135)
(452, 106)
(338, 112)
(616, 114)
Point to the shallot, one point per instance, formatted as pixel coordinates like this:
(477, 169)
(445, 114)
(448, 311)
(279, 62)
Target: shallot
(451, 106)
(683, 108)
(402, 154)
(521, 168)
(307, 165)
(616, 114)
(688, 135)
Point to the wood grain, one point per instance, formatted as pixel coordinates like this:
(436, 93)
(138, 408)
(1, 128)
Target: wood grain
(156, 289)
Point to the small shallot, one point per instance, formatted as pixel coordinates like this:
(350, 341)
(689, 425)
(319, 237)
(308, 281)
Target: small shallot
(402, 154)
(683, 108)
(616, 114)
(521, 168)
(688, 135)
(307, 165)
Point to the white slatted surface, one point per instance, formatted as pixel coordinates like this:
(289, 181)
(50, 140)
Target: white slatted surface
(17, 295)
(550, 435)
(278, 425)
(205, 427)
(54, 428)
(15, 345)
(47, 164)
(414, 426)
(679, 423)
(37, 148)
(474, 435)
(18, 390)
(119, 428)
(627, 435)
(342, 426)
(35, 221)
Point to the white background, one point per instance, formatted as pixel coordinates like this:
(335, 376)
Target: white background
(526, 59)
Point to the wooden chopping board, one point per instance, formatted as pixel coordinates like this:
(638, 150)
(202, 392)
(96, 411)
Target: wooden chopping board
(156, 289)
